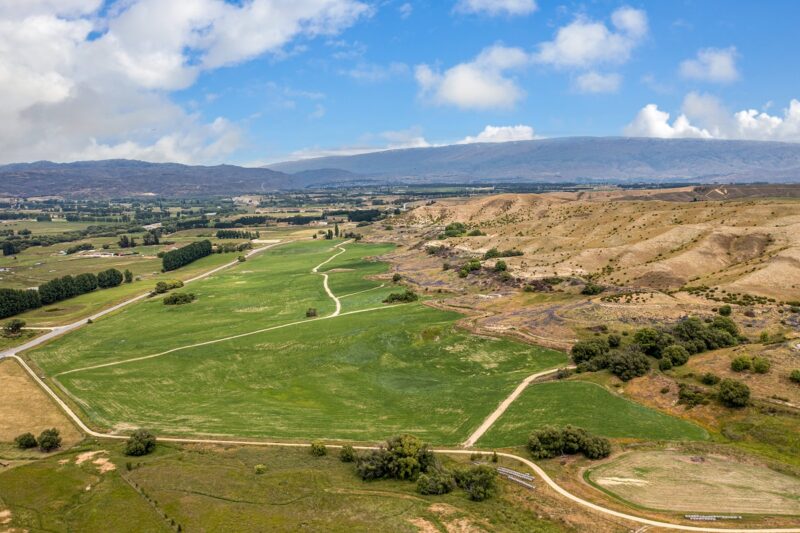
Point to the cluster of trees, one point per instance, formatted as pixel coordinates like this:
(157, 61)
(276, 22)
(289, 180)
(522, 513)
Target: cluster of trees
(14, 244)
(152, 237)
(454, 229)
(164, 286)
(179, 298)
(494, 252)
(552, 441)
(79, 248)
(470, 266)
(236, 234)
(15, 301)
(406, 457)
(183, 256)
(48, 440)
(759, 365)
(13, 327)
(592, 289)
(403, 297)
(232, 247)
(670, 346)
(127, 242)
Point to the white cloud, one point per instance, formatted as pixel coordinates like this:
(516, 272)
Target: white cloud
(712, 64)
(371, 72)
(68, 96)
(595, 82)
(482, 83)
(704, 116)
(318, 113)
(389, 140)
(497, 7)
(586, 43)
(499, 134)
(405, 10)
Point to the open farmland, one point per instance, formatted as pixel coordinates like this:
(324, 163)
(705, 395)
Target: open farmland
(369, 372)
(585, 405)
(703, 483)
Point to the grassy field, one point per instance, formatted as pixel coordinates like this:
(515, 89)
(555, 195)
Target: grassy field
(588, 406)
(209, 489)
(673, 481)
(358, 376)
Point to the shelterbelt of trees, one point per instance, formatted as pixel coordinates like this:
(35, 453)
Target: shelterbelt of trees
(15, 301)
(183, 256)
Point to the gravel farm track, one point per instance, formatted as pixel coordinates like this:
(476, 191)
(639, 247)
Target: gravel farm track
(12, 354)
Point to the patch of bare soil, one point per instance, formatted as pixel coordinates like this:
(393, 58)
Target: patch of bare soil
(423, 526)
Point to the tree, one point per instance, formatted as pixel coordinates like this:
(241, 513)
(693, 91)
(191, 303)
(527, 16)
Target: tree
(336, 229)
(437, 481)
(311, 312)
(25, 441)
(591, 289)
(677, 354)
(479, 482)
(124, 242)
(318, 449)
(725, 310)
(734, 393)
(500, 266)
(86, 282)
(402, 457)
(109, 278)
(128, 275)
(49, 440)
(587, 350)
(630, 364)
(652, 342)
(348, 454)
(551, 441)
(13, 327)
(141, 442)
(183, 256)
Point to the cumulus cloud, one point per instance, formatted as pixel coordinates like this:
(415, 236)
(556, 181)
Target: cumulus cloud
(77, 81)
(704, 116)
(482, 83)
(716, 65)
(595, 82)
(497, 7)
(501, 134)
(586, 43)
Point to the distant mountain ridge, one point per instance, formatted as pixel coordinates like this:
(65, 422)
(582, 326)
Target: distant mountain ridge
(125, 177)
(573, 159)
(615, 159)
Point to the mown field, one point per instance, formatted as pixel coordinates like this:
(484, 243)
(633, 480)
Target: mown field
(210, 489)
(589, 406)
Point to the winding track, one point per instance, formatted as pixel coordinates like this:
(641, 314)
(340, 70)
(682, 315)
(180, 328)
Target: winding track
(474, 437)
(324, 275)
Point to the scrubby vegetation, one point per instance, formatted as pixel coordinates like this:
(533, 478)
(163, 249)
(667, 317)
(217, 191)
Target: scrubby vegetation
(401, 297)
(141, 442)
(552, 441)
(493, 253)
(179, 298)
(734, 393)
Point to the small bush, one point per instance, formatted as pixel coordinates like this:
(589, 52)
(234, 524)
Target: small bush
(709, 379)
(795, 376)
(665, 364)
(347, 454)
(733, 393)
(311, 312)
(141, 442)
(591, 289)
(741, 364)
(318, 449)
(25, 441)
(725, 310)
(761, 365)
(407, 296)
(691, 396)
(396, 277)
(614, 340)
(260, 469)
(179, 298)
(500, 266)
(13, 327)
(49, 440)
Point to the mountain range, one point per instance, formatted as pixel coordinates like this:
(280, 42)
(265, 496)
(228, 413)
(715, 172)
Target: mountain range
(572, 159)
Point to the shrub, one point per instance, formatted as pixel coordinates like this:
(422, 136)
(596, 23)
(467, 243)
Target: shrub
(241, 259)
(761, 365)
(479, 482)
(402, 457)
(260, 469)
(709, 379)
(396, 277)
(614, 340)
(347, 454)
(733, 393)
(49, 440)
(591, 289)
(691, 396)
(795, 376)
(741, 363)
(141, 442)
(677, 355)
(407, 296)
(665, 364)
(179, 298)
(13, 327)
(164, 286)
(311, 312)
(629, 365)
(500, 266)
(25, 441)
(587, 350)
(318, 449)
(725, 310)
(437, 481)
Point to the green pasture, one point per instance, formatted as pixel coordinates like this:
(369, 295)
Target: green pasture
(586, 405)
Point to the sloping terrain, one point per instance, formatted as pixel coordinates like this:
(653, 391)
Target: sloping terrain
(628, 239)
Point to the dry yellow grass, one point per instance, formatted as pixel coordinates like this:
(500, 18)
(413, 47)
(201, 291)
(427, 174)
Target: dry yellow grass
(25, 407)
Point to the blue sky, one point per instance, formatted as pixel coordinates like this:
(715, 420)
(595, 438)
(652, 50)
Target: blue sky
(258, 81)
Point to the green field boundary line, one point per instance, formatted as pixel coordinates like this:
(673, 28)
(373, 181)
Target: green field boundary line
(446, 451)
